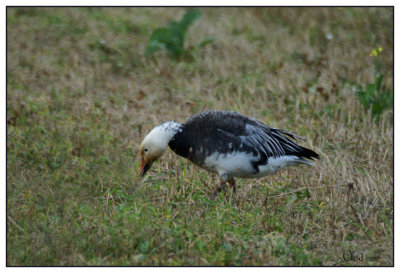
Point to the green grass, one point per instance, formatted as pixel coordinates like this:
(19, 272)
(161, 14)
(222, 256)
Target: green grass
(81, 96)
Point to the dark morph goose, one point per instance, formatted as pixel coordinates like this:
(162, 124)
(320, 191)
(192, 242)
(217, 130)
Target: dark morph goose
(227, 143)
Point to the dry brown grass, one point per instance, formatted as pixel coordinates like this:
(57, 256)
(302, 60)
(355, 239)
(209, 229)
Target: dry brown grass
(73, 100)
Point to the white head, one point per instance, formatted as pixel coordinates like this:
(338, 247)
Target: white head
(155, 144)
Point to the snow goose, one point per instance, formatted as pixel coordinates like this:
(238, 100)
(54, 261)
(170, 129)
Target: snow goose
(227, 143)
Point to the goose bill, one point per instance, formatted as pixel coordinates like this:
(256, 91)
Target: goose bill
(144, 167)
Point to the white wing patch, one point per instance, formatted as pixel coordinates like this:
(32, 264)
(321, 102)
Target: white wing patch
(239, 164)
(277, 163)
(236, 164)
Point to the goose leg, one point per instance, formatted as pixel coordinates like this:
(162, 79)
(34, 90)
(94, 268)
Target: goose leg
(223, 186)
(232, 184)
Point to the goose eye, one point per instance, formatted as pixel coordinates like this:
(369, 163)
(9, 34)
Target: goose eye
(145, 150)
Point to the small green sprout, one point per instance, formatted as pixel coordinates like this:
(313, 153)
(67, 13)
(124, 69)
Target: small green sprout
(172, 38)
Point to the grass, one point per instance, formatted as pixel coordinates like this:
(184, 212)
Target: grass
(81, 96)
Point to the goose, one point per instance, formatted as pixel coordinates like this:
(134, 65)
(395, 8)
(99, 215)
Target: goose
(227, 143)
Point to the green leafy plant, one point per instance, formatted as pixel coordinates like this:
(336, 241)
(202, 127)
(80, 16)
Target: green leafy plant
(172, 37)
(375, 96)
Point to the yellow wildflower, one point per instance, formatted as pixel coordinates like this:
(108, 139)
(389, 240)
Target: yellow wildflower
(374, 52)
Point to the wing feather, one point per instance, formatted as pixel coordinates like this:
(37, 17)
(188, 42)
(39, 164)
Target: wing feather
(269, 141)
(265, 140)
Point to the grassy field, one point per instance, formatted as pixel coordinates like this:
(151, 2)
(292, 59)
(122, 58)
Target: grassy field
(81, 95)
